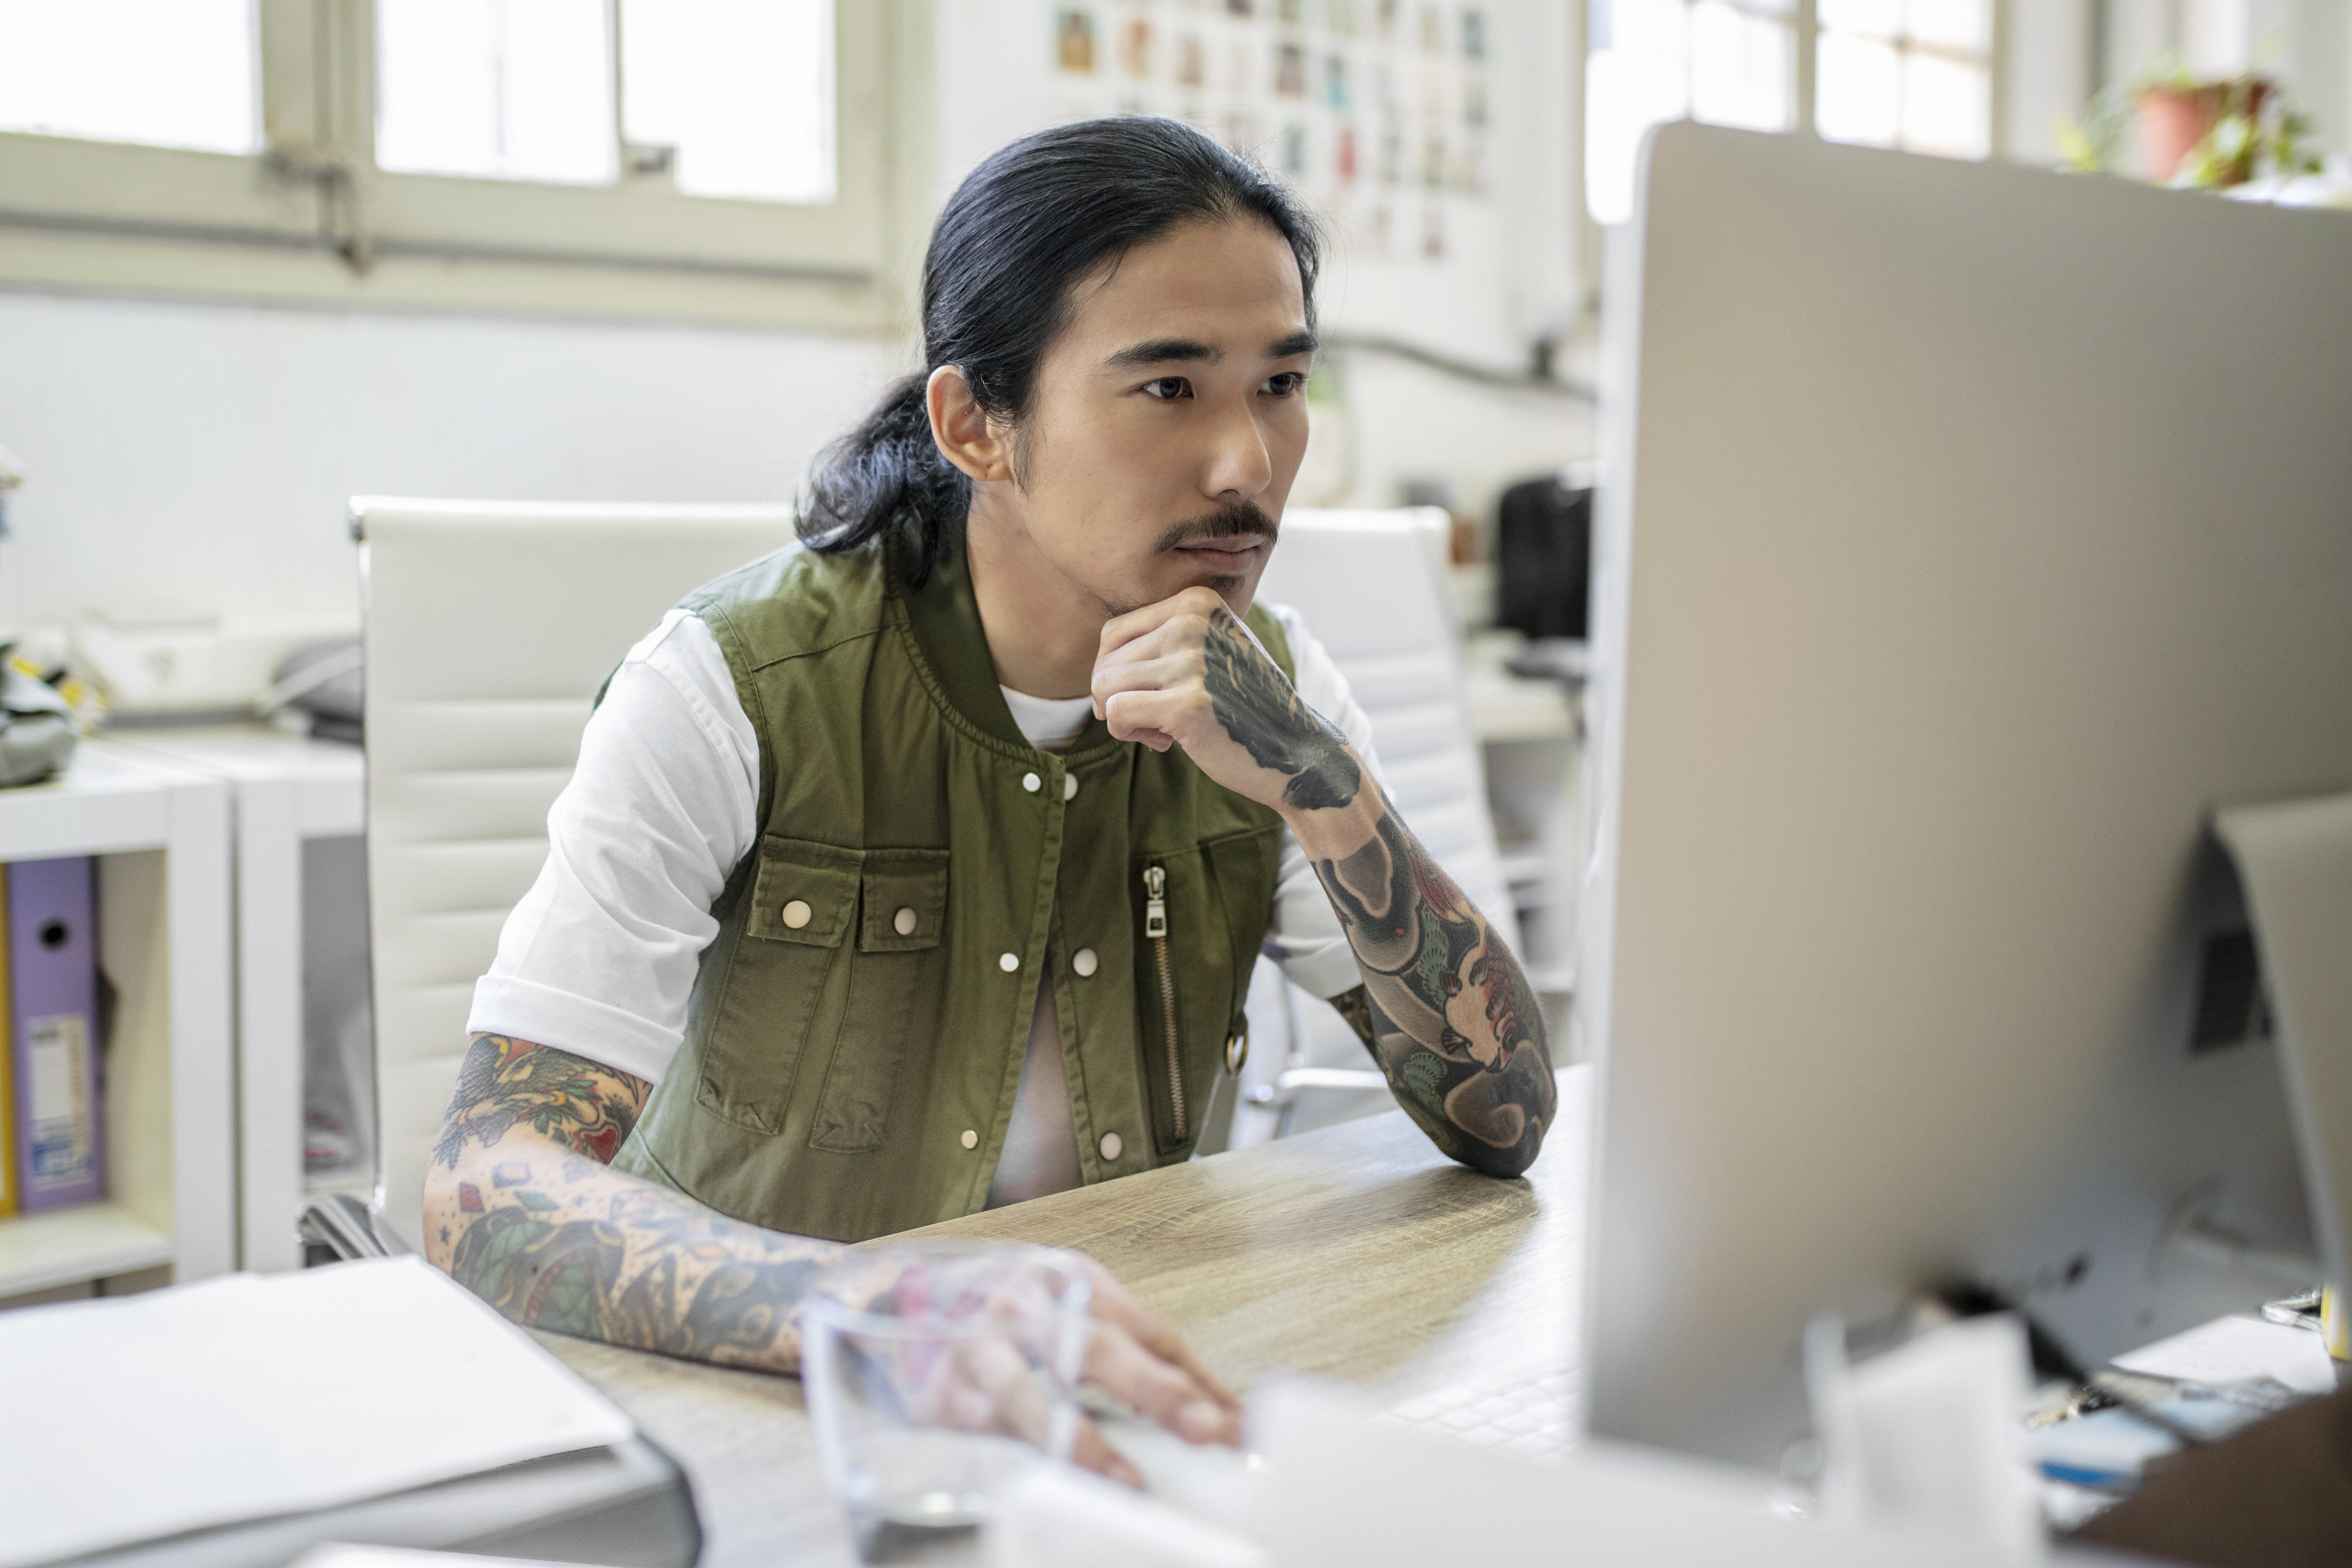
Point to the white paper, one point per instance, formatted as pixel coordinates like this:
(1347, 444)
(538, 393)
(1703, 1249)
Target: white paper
(2234, 1350)
(250, 1396)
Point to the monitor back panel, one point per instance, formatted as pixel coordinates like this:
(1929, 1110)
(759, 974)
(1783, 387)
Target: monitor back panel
(1967, 534)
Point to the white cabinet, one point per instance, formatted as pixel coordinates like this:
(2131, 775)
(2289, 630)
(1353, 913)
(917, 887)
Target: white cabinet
(290, 794)
(160, 831)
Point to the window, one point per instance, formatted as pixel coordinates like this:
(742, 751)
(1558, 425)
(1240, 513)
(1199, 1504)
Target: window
(165, 73)
(702, 157)
(1909, 74)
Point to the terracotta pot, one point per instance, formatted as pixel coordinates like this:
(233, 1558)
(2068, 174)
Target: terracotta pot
(2173, 120)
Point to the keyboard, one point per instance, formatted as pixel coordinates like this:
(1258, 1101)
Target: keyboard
(1533, 1417)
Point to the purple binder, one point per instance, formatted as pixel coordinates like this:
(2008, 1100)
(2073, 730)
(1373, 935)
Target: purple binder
(53, 1004)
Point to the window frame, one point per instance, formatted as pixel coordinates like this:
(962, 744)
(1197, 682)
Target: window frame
(310, 217)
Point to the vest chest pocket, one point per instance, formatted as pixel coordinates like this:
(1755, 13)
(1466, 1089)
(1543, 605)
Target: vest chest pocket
(803, 901)
(902, 922)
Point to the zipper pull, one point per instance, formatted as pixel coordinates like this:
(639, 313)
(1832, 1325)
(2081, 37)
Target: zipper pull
(1155, 908)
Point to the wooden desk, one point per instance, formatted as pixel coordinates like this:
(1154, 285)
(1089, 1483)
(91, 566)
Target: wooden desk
(1357, 1253)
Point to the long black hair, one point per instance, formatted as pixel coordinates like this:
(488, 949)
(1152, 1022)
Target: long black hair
(1040, 215)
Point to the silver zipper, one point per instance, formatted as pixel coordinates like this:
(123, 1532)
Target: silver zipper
(1155, 927)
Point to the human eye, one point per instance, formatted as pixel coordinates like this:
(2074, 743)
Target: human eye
(1285, 384)
(1167, 389)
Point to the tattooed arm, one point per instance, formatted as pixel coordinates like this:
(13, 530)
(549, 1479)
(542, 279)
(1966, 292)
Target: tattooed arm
(521, 1209)
(1445, 1010)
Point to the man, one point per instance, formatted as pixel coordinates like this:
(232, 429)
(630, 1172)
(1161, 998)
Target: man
(922, 868)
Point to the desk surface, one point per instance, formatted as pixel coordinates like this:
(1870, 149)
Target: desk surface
(1357, 1253)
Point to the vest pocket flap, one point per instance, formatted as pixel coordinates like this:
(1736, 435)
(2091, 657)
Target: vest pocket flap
(906, 900)
(804, 892)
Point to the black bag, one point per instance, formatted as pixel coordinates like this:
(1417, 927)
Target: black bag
(1545, 558)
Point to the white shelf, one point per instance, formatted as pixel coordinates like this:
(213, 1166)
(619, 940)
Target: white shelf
(161, 830)
(70, 1245)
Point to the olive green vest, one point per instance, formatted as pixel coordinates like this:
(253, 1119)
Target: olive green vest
(857, 1026)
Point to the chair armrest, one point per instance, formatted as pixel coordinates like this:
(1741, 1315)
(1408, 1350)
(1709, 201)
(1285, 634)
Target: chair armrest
(350, 1229)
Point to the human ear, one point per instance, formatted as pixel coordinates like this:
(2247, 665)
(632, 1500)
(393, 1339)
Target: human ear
(970, 439)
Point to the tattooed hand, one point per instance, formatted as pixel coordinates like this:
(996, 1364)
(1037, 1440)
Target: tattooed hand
(1186, 671)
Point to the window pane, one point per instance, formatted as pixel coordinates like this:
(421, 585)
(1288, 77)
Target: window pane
(1859, 91)
(1943, 107)
(1954, 24)
(740, 90)
(1878, 18)
(1742, 68)
(170, 73)
(1639, 79)
(509, 89)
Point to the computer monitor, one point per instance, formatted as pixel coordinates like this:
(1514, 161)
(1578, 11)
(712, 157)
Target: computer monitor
(1968, 536)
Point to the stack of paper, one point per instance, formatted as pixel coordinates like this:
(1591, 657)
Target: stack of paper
(248, 1397)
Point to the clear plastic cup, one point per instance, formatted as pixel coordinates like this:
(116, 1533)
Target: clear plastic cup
(936, 1372)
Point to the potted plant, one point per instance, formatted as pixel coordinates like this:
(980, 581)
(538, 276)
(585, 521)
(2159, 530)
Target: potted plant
(2206, 135)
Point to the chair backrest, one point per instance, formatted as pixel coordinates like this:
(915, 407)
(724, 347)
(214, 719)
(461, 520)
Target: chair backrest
(489, 628)
(1371, 586)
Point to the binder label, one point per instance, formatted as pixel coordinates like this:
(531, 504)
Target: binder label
(60, 1117)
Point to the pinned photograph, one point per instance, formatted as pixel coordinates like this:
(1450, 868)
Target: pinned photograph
(1432, 232)
(1473, 34)
(1241, 7)
(1343, 155)
(1290, 70)
(1336, 91)
(1294, 150)
(1473, 102)
(1135, 48)
(1432, 30)
(1192, 60)
(1074, 39)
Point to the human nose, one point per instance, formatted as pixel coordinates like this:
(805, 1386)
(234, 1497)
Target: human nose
(1242, 466)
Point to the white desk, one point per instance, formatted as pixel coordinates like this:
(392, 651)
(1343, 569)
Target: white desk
(286, 787)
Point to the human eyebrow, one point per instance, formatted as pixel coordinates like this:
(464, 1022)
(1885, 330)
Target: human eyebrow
(1166, 350)
(1299, 343)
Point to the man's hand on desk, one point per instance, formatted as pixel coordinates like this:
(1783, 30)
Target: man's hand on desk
(521, 1208)
(1444, 1008)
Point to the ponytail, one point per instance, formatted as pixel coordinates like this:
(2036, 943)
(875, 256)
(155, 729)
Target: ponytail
(886, 477)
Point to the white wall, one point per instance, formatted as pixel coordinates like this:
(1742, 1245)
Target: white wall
(197, 456)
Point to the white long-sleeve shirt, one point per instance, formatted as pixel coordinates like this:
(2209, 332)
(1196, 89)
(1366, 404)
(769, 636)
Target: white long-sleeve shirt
(599, 958)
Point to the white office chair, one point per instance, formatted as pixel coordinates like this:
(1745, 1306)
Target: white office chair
(1371, 586)
(489, 627)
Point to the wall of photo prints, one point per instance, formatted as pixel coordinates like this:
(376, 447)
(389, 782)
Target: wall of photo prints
(1397, 117)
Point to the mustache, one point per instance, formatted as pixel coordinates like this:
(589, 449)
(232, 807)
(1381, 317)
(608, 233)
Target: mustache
(1224, 523)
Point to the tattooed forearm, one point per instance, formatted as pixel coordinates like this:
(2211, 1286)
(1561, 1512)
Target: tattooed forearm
(521, 1209)
(1258, 708)
(641, 1268)
(1355, 1006)
(1449, 1015)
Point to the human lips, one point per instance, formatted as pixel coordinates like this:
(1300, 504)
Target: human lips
(1240, 545)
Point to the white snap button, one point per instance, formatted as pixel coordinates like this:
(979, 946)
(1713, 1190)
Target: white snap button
(1083, 962)
(1111, 1145)
(796, 913)
(1010, 962)
(971, 1140)
(1030, 783)
(903, 923)
(1069, 786)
